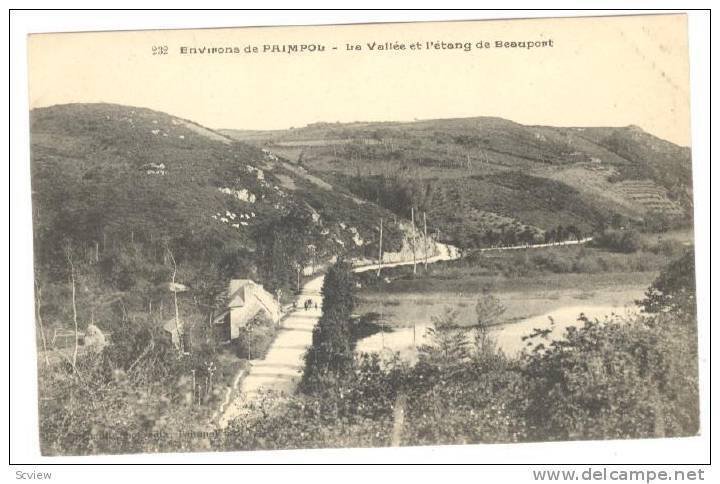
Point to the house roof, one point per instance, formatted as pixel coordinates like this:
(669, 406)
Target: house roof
(236, 291)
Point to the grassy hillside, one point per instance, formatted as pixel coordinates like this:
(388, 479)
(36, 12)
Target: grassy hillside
(477, 175)
(119, 192)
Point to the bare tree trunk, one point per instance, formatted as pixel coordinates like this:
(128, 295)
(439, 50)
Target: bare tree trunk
(38, 303)
(178, 324)
(68, 255)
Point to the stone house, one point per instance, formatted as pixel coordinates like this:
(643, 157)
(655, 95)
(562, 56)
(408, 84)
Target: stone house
(245, 299)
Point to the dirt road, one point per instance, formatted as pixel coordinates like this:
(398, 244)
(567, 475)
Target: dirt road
(281, 368)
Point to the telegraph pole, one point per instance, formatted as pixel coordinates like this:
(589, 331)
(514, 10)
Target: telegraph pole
(425, 238)
(380, 255)
(412, 218)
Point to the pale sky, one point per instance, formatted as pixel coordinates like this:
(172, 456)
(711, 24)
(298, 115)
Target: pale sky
(607, 71)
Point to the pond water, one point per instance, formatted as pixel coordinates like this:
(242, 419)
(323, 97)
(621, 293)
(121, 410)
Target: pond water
(507, 337)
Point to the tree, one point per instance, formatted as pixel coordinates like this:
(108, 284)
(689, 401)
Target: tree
(281, 247)
(448, 343)
(674, 288)
(331, 353)
(178, 323)
(488, 310)
(339, 290)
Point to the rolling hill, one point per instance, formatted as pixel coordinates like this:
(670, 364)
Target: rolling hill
(125, 194)
(128, 194)
(474, 176)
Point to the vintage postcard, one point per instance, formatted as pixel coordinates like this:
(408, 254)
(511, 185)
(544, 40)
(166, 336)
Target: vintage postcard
(363, 235)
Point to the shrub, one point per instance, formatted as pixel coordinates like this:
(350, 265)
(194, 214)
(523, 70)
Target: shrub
(554, 262)
(668, 248)
(674, 289)
(626, 241)
(588, 265)
(255, 338)
(614, 379)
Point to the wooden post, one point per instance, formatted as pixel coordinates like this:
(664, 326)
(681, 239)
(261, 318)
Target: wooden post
(193, 386)
(398, 420)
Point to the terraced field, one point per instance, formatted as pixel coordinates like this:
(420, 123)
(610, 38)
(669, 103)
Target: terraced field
(648, 195)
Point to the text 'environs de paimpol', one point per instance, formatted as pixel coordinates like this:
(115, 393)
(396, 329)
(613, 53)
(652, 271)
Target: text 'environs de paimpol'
(434, 45)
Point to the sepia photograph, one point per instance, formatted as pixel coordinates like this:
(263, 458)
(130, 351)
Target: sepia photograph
(363, 236)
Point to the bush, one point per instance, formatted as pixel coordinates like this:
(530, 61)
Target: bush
(674, 289)
(554, 262)
(131, 397)
(612, 379)
(255, 338)
(588, 265)
(615, 379)
(668, 248)
(626, 241)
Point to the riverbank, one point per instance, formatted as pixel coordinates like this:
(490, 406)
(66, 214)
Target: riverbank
(522, 297)
(406, 322)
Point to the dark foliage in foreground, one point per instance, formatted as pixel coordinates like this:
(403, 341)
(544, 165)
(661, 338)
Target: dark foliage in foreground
(674, 289)
(611, 379)
(574, 389)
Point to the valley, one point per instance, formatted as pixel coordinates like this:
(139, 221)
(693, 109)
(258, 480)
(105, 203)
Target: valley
(364, 248)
